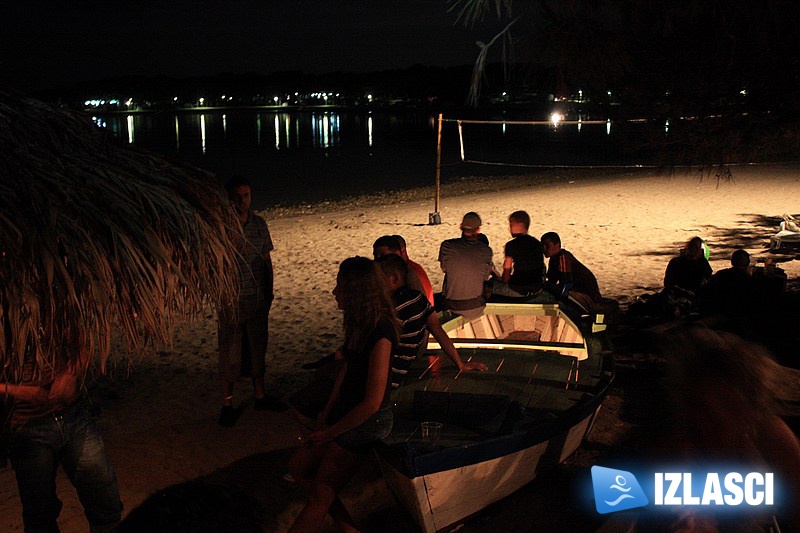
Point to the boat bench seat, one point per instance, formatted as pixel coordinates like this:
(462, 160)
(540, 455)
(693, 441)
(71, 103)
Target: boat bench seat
(484, 413)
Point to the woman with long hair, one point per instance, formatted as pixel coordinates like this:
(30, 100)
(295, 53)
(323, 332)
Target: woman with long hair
(358, 413)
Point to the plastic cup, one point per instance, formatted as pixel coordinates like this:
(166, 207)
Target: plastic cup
(431, 432)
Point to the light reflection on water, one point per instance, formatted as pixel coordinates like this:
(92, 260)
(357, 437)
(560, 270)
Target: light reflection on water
(312, 155)
(203, 133)
(325, 128)
(129, 124)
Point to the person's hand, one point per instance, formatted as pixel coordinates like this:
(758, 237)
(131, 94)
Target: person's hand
(474, 366)
(63, 388)
(318, 437)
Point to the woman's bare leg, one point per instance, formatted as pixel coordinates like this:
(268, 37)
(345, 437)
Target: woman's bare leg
(342, 517)
(334, 471)
(304, 463)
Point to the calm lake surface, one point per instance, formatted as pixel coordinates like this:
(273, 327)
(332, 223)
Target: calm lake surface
(300, 156)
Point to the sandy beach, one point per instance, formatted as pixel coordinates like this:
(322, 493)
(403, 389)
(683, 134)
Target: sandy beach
(159, 420)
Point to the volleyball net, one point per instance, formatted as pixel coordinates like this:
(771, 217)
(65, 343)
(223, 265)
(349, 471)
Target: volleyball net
(469, 153)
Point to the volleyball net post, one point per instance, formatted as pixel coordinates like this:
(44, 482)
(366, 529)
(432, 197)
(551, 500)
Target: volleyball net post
(435, 217)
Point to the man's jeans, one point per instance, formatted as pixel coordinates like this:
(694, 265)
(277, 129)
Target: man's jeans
(69, 439)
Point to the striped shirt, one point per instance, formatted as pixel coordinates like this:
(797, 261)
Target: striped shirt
(413, 310)
(252, 266)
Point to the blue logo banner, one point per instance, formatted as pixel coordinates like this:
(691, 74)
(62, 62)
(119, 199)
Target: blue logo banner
(616, 490)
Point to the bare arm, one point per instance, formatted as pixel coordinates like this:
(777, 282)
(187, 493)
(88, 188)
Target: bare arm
(508, 263)
(62, 390)
(435, 327)
(376, 387)
(269, 275)
(25, 393)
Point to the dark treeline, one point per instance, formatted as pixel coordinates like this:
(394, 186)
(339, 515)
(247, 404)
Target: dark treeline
(423, 83)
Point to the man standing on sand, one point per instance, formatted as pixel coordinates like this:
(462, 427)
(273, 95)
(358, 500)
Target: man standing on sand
(47, 424)
(243, 332)
(467, 264)
(523, 265)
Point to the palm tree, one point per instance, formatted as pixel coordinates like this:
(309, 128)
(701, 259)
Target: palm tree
(99, 241)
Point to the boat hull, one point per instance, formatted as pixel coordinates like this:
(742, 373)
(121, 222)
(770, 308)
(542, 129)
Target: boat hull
(441, 499)
(549, 374)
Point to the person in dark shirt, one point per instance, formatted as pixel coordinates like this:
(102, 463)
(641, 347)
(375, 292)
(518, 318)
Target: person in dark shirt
(568, 276)
(523, 265)
(357, 414)
(683, 279)
(690, 270)
(730, 291)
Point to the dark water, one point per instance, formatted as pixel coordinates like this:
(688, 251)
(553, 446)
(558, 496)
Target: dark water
(308, 156)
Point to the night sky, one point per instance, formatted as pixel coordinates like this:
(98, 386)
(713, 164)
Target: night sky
(47, 44)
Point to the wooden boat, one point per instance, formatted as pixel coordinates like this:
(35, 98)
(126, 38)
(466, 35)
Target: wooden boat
(549, 372)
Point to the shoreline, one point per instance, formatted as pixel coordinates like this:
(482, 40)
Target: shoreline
(455, 187)
(451, 188)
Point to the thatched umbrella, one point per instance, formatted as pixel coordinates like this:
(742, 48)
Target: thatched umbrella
(98, 239)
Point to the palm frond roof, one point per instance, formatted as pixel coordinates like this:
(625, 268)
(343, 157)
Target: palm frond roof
(98, 237)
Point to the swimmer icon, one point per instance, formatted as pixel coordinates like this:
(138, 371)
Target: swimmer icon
(616, 490)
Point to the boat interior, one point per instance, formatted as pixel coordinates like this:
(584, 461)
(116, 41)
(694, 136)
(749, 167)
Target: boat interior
(521, 326)
(540, 365)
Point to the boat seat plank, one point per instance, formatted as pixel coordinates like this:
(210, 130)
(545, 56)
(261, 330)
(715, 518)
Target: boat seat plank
(528, 344)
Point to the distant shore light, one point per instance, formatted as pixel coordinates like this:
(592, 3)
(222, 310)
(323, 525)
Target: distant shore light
(555, 118)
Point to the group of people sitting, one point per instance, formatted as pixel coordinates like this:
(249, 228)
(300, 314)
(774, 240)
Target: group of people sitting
(471, 279)
(389, 311)
(691, 287)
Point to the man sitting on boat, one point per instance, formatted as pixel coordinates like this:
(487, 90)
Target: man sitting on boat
(417, 319)
(390, 244)
(467, 264)
(523, 265)
(416, 268)
(566, 276)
